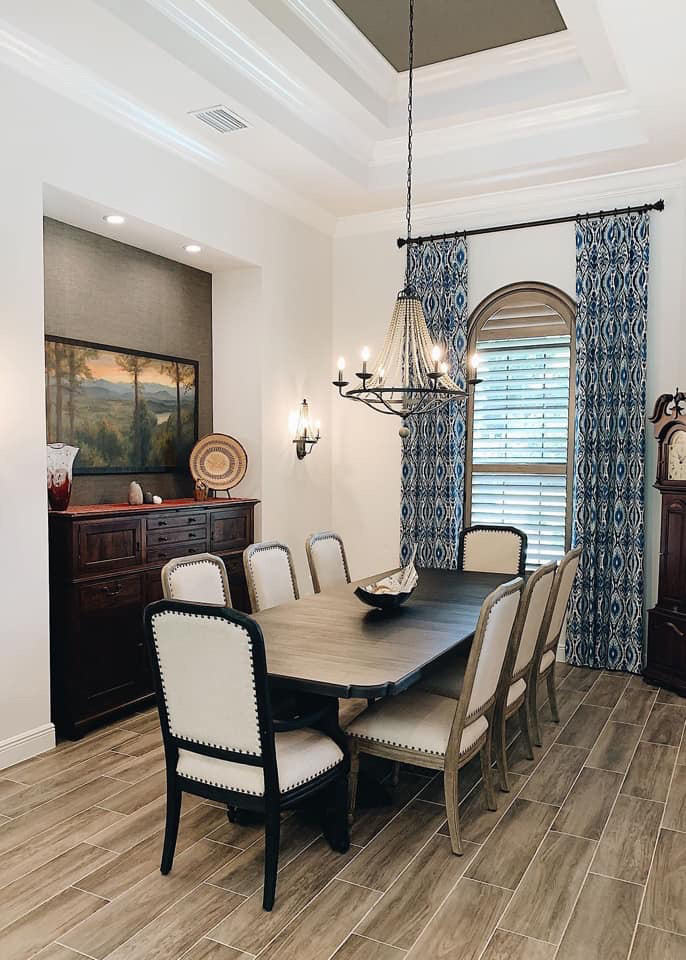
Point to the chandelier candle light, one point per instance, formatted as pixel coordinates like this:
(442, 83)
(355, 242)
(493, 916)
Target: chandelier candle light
(408, 377)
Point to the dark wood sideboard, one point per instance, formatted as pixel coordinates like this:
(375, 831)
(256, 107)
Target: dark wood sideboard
(105, 564)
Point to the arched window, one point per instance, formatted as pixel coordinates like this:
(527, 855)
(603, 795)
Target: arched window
(521, 417)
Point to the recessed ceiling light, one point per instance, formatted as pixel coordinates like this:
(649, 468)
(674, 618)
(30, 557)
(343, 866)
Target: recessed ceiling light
(114, 218)
(192, 248)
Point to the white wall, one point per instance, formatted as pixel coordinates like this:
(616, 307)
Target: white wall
(272, 345)
(368, 270)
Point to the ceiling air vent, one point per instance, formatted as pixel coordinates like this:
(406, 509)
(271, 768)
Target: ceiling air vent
(221, 118)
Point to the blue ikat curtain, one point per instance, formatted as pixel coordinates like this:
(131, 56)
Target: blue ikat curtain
(432, 477)
(605, 621)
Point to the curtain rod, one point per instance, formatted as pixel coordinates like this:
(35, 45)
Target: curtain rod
(643, 208)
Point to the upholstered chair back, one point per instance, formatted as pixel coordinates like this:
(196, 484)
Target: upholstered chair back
(533, 607)
(492, 550)
(210, 676)
(270, 575)
(490, 647)
(327, 560)
(559, 599)
(198, 579)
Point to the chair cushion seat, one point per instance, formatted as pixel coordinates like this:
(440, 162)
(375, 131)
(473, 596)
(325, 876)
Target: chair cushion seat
(301, 755)
(547, 658)
(516, 690)
(445, 679)
(417, 721)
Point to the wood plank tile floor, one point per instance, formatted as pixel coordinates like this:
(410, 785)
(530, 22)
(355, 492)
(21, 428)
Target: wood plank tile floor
(585, 859)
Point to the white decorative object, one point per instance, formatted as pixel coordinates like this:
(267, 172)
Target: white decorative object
(404, 581)
(135, 494)
(157, 499)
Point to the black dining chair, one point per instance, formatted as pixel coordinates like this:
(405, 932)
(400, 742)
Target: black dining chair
(221, 741)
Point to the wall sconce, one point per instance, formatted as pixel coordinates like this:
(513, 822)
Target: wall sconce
(306, 434)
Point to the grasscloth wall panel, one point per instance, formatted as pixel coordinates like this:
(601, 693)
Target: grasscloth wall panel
(108, 292)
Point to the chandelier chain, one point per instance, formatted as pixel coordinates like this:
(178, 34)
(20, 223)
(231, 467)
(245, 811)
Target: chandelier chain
(408, 213)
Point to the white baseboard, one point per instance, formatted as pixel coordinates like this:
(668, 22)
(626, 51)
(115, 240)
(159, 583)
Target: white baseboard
(27, 744)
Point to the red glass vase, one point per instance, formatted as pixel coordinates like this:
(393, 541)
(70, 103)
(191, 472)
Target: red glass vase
(60, 462)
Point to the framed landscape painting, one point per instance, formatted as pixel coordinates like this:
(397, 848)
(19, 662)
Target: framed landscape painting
(127, 411)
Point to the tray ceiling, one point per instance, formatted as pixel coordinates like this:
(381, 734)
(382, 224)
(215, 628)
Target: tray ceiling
(326, 113)
(445, 29)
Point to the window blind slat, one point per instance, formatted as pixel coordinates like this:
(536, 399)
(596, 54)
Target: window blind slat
(521, 416)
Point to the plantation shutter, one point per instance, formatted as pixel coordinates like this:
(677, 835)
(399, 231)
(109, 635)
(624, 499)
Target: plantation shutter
(520, 440)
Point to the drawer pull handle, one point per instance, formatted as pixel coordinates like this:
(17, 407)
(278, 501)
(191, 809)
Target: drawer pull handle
(162, 523)
(675, 628)
(163, 539)
(112, 590)
(191, 536)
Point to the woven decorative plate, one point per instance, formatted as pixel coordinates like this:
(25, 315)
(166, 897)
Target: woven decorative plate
(219, 461)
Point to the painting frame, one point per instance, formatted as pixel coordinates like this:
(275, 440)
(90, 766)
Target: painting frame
(132, 468)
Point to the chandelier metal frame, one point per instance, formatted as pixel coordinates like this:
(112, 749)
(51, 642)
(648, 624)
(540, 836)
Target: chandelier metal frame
(426, 383)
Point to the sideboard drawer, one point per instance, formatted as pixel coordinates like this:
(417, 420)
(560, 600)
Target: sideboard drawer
(230, 529)
(167, 551)
(106, 545)
(158, 537)
(167, 520)
(108, 594)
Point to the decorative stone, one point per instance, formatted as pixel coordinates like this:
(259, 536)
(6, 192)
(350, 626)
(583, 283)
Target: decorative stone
(135, 494)
(157, 499)
(147, 497)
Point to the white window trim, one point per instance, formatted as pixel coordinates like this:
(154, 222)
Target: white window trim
(514, 295)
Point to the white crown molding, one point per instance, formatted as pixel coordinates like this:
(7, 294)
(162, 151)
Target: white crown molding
(343, 38)
(553, 199)
(25, 745)
(62, 75)
(500, 62)
(608, 107)
(267, 66)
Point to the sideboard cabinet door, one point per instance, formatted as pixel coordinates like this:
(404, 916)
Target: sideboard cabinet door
(108, 545)
(111, 643)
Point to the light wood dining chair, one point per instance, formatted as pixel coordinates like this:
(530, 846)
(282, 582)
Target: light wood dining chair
(270, 575)
(201, 578)
(518, 673)
(327, 560)
(550, 638)
(481, 549)
(491, 549)
(439, 732)
(221, 741)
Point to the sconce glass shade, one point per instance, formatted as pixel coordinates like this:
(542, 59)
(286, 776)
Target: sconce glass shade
(305, 434)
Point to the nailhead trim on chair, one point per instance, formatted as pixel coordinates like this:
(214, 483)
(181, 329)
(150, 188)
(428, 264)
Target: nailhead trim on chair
(316, 538)
(206, 743)
(408, 746)
(260, 548)
(396, 743)
(196, 563)
(252, 793)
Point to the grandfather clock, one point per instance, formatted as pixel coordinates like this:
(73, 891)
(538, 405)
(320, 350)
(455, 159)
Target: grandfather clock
(666, 658)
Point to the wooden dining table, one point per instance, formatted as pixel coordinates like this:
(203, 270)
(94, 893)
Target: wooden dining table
(332, 645)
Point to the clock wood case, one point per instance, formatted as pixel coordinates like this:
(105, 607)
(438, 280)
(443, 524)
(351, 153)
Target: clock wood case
(666, 654)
